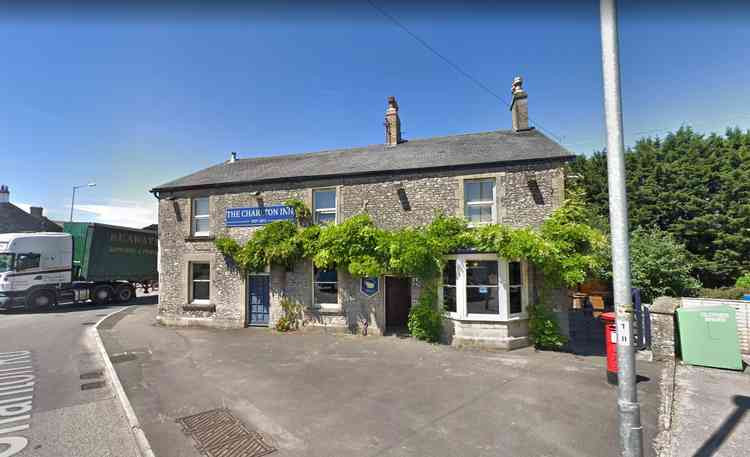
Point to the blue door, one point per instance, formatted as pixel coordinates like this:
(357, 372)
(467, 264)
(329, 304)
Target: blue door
(258, 297)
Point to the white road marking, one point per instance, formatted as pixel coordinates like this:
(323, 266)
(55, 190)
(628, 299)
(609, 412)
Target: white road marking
(14, 381)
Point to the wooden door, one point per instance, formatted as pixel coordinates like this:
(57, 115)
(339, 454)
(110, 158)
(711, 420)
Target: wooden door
(397, 301)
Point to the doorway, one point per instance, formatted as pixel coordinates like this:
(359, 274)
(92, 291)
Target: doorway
(258, 299)
(397, 302)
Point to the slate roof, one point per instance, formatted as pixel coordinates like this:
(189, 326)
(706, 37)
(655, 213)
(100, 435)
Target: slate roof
(503, 146)
(13, 219)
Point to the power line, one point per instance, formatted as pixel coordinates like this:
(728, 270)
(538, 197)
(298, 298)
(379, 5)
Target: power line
(453, 65)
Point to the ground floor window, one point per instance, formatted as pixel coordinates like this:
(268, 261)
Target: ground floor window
(325, 288)
(200, 282)
(484, 287)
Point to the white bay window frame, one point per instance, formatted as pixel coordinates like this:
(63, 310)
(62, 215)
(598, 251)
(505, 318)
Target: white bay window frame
(503, 291)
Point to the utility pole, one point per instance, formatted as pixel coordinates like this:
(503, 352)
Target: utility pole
(631, 432)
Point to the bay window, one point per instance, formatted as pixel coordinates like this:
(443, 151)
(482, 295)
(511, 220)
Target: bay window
(484, 288)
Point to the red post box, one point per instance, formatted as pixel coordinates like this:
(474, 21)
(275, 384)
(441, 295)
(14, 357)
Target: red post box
(610, 341)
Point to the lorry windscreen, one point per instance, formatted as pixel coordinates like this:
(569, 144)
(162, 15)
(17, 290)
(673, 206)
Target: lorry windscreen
(6, 262)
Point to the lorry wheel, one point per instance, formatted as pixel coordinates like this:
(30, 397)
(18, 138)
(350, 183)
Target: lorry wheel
(41, 299)
(124, 294)
(102, 294)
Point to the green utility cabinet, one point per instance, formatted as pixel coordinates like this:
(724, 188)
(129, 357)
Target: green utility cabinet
(708, 337)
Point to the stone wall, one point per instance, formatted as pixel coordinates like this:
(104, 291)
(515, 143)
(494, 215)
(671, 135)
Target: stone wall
(663, 328)
(526, 195)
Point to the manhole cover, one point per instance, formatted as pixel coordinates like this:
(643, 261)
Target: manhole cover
(92, 385)
(92, 374)
(122, 357)
(218, 433)
(88, 323)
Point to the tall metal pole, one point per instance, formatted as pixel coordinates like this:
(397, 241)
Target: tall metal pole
(73, 202)
(631, 432)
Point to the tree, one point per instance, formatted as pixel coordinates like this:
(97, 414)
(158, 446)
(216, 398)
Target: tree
(659, 265)
(693, 186)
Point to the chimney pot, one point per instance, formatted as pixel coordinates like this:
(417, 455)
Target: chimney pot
(233, 157)
(4, 194)
(37, 211)
(519, 107)
(392, 123)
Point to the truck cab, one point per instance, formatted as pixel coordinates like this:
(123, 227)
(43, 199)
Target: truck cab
(34, 265)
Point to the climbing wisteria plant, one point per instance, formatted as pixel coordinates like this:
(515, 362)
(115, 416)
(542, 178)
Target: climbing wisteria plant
(564, 247)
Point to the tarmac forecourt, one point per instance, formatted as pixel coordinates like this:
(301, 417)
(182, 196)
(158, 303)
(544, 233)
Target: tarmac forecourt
(16, 392)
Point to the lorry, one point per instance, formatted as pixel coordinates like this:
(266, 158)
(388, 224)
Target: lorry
(87, 261)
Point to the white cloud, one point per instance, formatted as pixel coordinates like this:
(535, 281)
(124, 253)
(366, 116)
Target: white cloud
(129, 214)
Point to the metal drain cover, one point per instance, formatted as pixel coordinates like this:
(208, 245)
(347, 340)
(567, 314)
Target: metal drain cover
(218, 433)
(92, 385)
(122, 357)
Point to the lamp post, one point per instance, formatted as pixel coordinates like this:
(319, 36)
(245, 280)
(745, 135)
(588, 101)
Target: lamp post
(73, 200)
(629, 412)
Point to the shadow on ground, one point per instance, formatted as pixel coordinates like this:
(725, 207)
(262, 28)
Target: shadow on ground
(144, 300)
(714, 442)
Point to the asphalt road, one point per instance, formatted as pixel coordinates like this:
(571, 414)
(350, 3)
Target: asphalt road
(57, 400)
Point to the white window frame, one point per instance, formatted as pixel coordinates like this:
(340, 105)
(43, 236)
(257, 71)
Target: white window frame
(492, 203)
(329, 306)
(503, 286)
(191, 281)
(333, 210)
(195, 217)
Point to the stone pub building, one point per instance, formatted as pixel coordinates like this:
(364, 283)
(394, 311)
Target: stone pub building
(512, 177)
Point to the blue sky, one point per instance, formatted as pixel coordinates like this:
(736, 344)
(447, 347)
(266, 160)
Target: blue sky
(132, 99)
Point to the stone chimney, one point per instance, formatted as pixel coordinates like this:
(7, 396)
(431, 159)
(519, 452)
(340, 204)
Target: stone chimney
(37, 211)
(519, 107)
(392, 123)
(4, 194)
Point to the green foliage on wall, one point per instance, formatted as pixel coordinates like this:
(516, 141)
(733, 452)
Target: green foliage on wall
(564, 247)
(696, 187)
(425, 319)
(543, 328)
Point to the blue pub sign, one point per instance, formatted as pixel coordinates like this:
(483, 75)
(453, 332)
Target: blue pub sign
(369, 286)
(258, 215)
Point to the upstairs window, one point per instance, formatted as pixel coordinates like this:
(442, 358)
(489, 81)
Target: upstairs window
(200, 217)
(324, 206)
(479, 201)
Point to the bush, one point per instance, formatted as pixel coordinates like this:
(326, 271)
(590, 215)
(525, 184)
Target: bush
(743, 282)
(724, 293)
(543, 328)
(290, 319)
(659, 265)
(425, 320)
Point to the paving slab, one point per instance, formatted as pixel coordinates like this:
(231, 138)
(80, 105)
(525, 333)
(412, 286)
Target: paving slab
(317, 394)
(711, 412)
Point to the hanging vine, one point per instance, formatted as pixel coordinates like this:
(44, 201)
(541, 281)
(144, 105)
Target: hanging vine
(563, 247)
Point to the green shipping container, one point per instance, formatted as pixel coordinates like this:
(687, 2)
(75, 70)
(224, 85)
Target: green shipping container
(708, 337)
(111, 253)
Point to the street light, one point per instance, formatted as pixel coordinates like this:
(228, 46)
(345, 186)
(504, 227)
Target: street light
(73, 200)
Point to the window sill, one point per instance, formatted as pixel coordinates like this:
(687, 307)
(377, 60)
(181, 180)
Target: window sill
(326, 311)
(199, 307)
(484, 318)
(194, 238)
